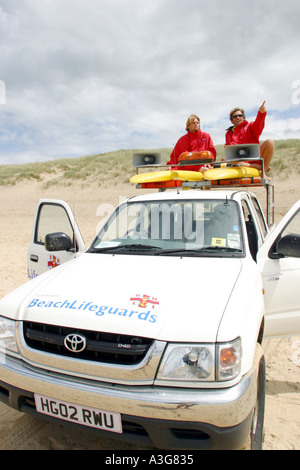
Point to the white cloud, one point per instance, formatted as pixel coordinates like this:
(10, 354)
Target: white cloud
(93, 76)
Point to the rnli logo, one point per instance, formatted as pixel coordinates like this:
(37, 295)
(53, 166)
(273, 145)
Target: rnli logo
(53, 261)
(144, 301)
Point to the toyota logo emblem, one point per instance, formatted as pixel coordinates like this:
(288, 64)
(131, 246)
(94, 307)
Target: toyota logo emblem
(75, 343)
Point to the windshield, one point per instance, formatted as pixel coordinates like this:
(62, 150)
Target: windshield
(184, 227)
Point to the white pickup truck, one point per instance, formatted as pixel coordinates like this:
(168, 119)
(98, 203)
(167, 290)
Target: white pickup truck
(154, 334)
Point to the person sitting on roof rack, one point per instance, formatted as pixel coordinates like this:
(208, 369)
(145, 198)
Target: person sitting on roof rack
(244, 132)
(194, 141)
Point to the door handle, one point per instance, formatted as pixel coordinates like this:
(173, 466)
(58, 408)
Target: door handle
(34, 258)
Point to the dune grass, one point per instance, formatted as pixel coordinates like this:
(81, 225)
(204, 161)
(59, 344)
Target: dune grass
(113, 167)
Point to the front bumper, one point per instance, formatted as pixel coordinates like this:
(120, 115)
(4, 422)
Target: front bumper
(161, 417)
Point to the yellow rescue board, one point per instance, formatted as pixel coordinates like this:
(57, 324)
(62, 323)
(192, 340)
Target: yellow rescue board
(179, 175)
(183, 175)
(230, 173)
(152, 177)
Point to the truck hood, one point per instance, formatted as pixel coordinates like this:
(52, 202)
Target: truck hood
(163, 297)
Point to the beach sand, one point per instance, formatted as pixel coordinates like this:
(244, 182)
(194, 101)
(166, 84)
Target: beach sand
(17, 210)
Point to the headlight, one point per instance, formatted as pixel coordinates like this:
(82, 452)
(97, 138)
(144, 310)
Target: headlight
(201, 362)
(188, 363)
(229, 360)
(7, 335)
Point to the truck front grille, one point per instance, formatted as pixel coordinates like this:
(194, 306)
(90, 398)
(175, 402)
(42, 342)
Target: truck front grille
(100, 347)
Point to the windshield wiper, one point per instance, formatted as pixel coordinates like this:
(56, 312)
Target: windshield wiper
(139, 246)
(159, 251)
(177, 250)
(129, 247)
(221, 248)
(196, 251)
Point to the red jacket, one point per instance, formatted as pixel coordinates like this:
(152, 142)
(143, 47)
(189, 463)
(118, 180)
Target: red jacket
(192, 142)
(246, 132)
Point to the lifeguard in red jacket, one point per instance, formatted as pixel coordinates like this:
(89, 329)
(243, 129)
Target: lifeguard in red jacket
(194, 141)
(244, 132)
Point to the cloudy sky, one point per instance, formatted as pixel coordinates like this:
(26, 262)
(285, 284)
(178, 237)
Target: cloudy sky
(81, 77)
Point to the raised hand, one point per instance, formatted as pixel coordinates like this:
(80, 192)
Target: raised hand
(262, 109)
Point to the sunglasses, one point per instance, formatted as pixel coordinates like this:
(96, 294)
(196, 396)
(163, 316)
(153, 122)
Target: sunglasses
(237, 115)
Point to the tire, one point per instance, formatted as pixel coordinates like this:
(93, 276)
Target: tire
(257, 425)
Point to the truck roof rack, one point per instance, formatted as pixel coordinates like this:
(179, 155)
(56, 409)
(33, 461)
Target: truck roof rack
(153, 161)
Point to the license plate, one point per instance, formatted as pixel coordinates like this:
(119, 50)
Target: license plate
(74, 413)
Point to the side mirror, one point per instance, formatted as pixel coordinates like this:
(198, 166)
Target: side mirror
(289, 245)
(58, 241)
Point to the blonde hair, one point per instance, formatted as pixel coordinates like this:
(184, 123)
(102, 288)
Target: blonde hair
(189, 119)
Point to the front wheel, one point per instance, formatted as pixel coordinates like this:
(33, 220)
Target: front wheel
(257, 425)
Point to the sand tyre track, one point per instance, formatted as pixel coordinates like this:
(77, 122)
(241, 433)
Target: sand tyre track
(20, 429)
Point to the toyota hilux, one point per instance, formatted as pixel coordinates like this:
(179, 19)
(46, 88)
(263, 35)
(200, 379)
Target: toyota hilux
(153, 334)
